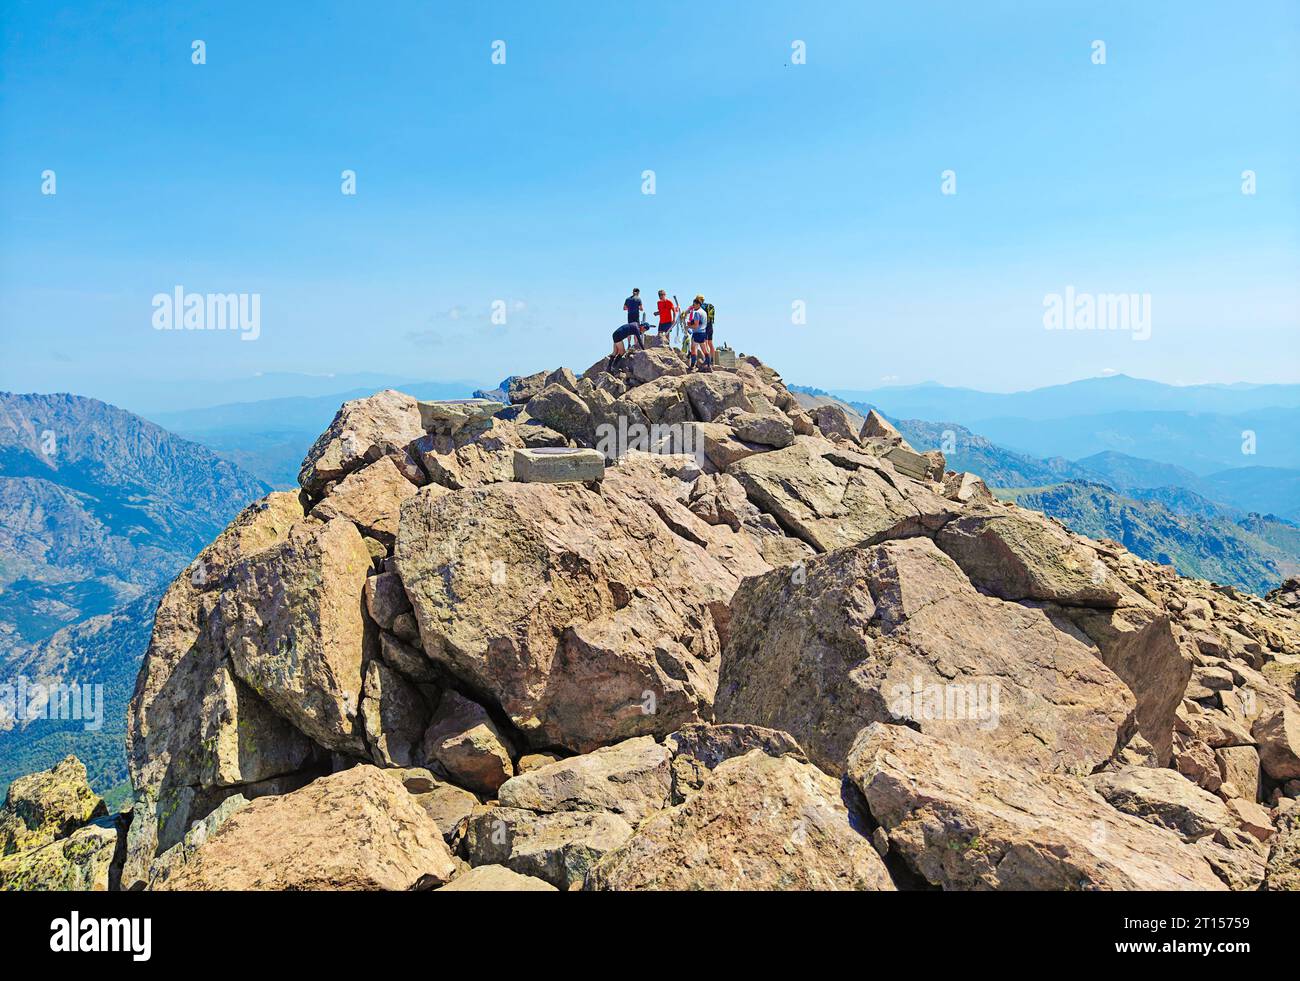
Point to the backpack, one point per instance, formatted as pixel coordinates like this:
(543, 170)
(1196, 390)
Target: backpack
(708, 310)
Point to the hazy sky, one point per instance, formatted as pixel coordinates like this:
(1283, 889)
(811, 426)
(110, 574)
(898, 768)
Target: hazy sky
(776, 184)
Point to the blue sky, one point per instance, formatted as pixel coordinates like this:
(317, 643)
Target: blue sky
(522, 183)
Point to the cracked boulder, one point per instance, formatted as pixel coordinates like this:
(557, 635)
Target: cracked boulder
(167, 742)
(830, 496)
(395, 715)
(291, 618)
(896, 632)
(1138, 644)
(195, 732)
(587, 616)
(697, 749)
(757, 822)
(963, 820)
(371, 498)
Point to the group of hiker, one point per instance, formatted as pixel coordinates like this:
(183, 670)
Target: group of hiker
(696, 323)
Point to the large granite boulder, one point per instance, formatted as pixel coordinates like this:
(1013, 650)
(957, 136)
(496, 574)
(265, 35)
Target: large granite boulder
(831, 497)
(1138, 644)
(394, 714)
(292, 620)
(371, 498)
(647, 364)
(46, 805)
(560, 409)
(522, 388)
(195, 731)
(631, 779)
(358, 829)
(80, 862)
(588, 616)
(1164, 797)
(766, 429)
(662, 401)
(896, 632)
(713, 394)
(1278, 735)
(168, 743)
(463, 740)
(757, 822)
(1018, 554)
(834, 422)
(961, 819)
(363, 430)
(876, 426)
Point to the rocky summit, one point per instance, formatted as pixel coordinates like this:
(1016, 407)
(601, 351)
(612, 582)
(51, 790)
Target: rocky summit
(653, 629)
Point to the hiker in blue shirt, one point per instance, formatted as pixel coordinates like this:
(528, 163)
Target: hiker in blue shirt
(633, 307)
(628, 330)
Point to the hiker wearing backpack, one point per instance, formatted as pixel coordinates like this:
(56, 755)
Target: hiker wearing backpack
(697, 320)
(708, 331)
(667, 316)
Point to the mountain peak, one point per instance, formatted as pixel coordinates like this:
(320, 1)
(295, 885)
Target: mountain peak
(771, 547)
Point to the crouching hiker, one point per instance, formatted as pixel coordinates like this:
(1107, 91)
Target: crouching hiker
(622, 334)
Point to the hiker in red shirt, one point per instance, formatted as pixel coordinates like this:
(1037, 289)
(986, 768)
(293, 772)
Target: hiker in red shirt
(667, 316)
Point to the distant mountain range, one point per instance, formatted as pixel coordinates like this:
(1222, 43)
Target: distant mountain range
(98, 509)
(1102, 497)
(176, 394)
(1087, 397)
(269, 438)
(1201, 428)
